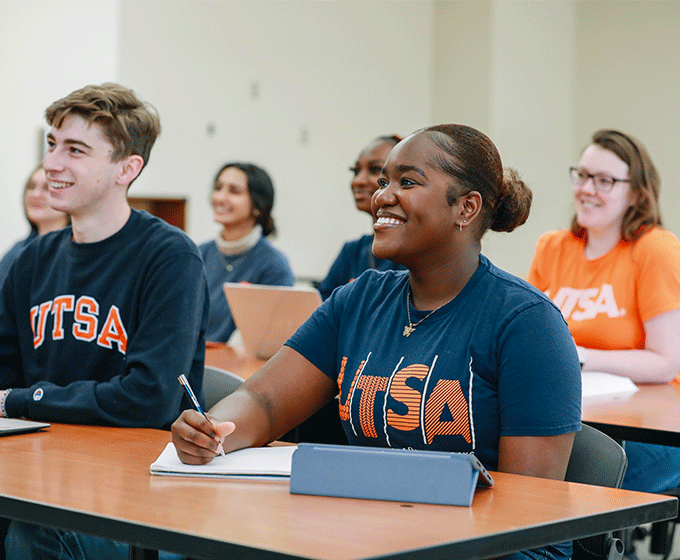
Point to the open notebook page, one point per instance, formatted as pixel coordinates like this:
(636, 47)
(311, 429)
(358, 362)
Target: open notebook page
(266, 462)
(599, 384)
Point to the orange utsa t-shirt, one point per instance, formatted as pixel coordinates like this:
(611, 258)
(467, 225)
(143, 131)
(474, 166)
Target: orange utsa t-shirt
(606, 301)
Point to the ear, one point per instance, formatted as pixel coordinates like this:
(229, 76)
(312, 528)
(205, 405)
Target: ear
(469, 207)
(130, 167)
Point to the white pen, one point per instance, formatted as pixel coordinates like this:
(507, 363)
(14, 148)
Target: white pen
(192, 397)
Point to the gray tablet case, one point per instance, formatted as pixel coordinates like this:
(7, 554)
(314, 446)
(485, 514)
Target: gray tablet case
(381, 473)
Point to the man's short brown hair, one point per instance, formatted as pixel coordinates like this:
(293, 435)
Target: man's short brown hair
(130, 125)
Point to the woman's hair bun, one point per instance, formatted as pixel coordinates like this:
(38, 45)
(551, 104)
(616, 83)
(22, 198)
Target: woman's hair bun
(513, 204)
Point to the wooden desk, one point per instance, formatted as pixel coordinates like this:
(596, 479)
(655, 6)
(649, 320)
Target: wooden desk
(233, 359)
(96, 480)
(650, 415)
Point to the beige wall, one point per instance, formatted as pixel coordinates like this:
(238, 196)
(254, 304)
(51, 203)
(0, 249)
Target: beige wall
(538, 76)
(628, 78)
(532, 118)
(508, 68)
(328, 81)
(463, 50)
(541, 76)
(47, 49)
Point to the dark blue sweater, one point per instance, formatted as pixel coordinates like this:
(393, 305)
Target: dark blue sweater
(263, 264)
(97, 333)
(355, 257)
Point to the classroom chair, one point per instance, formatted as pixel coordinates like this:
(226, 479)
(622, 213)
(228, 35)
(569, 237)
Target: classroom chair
(217, 384)
(324, 426)
(598, 460)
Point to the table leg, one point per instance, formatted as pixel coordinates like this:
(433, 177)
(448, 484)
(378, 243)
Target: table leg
(142, 554)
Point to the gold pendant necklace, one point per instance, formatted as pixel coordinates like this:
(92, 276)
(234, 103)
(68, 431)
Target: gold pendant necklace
(408, 329)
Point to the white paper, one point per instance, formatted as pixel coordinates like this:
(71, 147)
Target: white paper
(597, 384)
(251, 462)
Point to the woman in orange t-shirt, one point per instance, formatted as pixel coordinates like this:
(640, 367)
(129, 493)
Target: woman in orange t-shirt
(615, 275)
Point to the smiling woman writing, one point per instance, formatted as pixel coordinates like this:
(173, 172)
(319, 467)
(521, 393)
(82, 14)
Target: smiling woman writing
(452, 354)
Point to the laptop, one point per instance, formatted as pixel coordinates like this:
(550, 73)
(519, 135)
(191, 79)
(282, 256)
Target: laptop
(266, 316)
(10, 426)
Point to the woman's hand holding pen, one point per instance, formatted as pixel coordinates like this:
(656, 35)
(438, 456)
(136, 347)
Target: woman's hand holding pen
(259, 408)
(198, 439)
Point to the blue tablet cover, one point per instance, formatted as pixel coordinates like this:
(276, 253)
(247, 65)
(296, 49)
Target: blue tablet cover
(381, 473)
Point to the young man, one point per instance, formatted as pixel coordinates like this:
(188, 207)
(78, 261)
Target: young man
(98, 320)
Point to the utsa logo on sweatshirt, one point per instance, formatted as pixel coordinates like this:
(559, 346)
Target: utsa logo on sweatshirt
(80, 318)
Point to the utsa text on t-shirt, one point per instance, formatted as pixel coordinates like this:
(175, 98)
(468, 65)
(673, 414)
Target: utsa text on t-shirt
(444, 412)
(580, 305)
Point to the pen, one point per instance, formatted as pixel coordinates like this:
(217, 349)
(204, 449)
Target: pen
(192, 397)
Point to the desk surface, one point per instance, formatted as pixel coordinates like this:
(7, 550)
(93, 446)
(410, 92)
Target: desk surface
(232, 359)
(97, 480)
(651, 414)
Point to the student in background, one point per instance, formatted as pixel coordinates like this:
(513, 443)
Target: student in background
(616, 277)
(41, 217)
(242, 199)
(452, 354)
(357, 256)
(98, 320)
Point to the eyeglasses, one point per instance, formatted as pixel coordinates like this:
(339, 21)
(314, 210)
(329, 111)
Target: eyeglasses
(603, 183)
